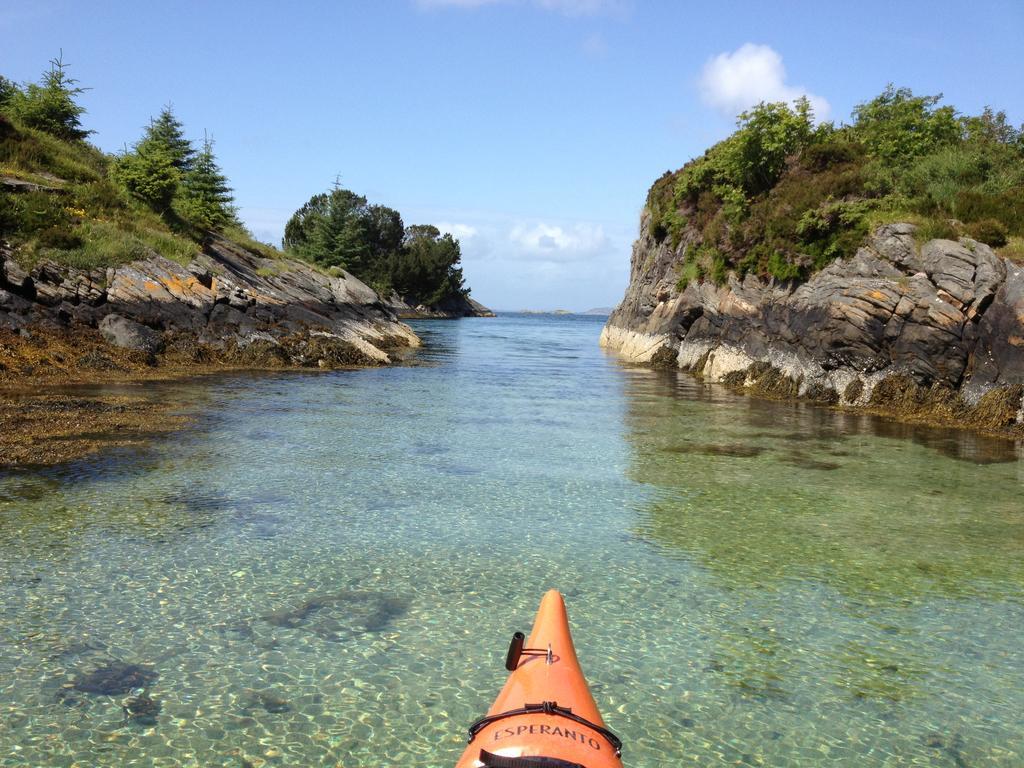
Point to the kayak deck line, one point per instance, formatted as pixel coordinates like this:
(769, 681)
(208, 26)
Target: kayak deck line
(545, 715)
(548, 708)
(497, 761)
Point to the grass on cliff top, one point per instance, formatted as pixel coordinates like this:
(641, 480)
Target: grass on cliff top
(1013, 250)
(783, 198)
(29, 150)
(90, 221)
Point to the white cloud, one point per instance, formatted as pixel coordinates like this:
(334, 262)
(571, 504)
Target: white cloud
(555, 243)
(458, 231)
(565, 7)
(516, 261)
(733, 82)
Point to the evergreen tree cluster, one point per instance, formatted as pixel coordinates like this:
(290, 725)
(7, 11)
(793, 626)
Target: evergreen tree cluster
(164, 170)
(341, 229)
(84, 207)
(169, 174)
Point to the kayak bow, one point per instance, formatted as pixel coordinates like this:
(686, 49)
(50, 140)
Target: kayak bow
(545, 716)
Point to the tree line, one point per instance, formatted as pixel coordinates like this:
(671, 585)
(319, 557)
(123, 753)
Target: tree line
(342, 229)
(181, 183)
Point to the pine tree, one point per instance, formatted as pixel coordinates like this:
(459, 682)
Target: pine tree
(207, 199)
(50, 104)
(148, 173)
(8, 91)
(168, 131)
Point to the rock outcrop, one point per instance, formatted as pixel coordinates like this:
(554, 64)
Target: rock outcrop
(228, 299)
(450, 309)
(127, 334)
(941, 321)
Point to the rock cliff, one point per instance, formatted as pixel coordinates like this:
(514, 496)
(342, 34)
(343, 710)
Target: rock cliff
(228, 304)
(933, 329)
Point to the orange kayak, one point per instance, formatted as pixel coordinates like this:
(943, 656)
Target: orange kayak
(544, 717)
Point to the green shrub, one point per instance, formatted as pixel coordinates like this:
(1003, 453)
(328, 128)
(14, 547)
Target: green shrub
(934, 180)
(751, 160)
(778, 198)
(689, 272)
(35, 211)
(750, 262)
(59, 237)
(822, 155)
(936, 229)
(779, 267)
(988, 231)
(897, 126)
(1006, 207)
(8, 92)
(719, 271)
(699, 262)
(833, 230)
(99, 198)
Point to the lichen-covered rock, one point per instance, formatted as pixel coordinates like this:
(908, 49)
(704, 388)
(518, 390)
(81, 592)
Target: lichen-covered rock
(226, 295)
(945, 314)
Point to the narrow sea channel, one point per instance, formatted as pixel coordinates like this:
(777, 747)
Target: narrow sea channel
(327, 568)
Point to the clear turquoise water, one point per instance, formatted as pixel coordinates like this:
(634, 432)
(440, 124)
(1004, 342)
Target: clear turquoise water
(750, 583)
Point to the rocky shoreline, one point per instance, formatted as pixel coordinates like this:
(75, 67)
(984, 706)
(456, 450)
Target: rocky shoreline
(230, 308)
(228, 302)
(930, 331)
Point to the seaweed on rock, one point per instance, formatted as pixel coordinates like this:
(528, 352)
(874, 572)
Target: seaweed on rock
(115, 678)
(141, 709)
(735, 450)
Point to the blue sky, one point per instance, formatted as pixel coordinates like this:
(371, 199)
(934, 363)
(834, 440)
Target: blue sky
(531, 129)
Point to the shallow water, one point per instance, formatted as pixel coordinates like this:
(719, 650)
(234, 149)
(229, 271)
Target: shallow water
(326, 570)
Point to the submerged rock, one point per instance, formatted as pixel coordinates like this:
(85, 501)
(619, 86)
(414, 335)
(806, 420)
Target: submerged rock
(141, 709)
(803, 461)
(115, 678)
(267, 700)
(737, 450)
(338, 614)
